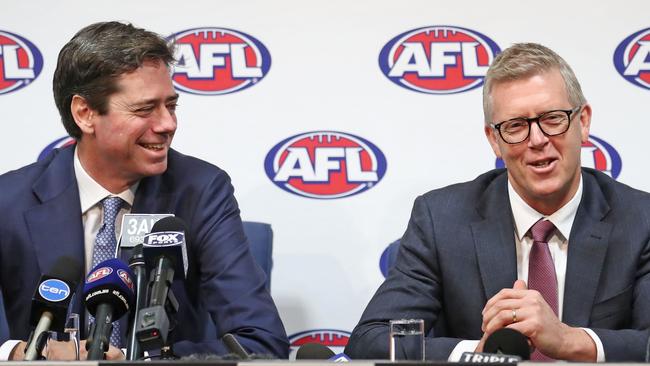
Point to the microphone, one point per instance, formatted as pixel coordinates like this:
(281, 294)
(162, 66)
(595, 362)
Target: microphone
(137, 265)
(50, 303)
(235, 347)
(314, 351)
(237, 353)
(166, 257)
(166, 243)
(503, 346)
(135, 226)
(108, 293)
(484, 357)
(506, 341)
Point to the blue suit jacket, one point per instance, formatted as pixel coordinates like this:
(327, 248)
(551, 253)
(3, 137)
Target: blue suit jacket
(40, 220)
(459, 251)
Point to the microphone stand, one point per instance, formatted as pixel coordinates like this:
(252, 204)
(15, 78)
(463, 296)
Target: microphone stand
(38, 338)
(171, 308)
(155, 322)
(133, 350)
(97, 342)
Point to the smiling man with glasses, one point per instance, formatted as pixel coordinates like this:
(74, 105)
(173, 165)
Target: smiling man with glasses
(557, 252)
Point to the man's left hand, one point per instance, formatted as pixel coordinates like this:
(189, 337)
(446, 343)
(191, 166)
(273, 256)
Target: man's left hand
(526, 311)
(65, 351)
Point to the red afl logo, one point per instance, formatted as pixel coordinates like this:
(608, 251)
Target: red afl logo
(213, 61)
(124, 276)
(596, 153)
(20, 62)
(58, 143)
(632, 58)
(335, 339)
(438, 59)
(98, 274)
(325, 164)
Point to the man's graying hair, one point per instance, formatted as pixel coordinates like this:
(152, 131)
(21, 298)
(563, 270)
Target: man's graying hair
(523, 60)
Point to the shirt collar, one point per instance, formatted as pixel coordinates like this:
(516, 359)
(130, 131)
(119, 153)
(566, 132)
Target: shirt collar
(91, 192)
(525, 216)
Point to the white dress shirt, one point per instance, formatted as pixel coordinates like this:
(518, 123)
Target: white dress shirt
(524, 218)
(91, 195)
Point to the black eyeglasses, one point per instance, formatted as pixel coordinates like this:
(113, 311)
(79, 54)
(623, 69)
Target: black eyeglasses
(551, 123)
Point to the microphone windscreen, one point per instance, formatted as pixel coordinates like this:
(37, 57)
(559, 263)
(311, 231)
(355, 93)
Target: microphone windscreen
(314, 351)
(137, 255)
(67, 269)
(54, 292)
(171, 223)
(508, 341)
(111, 282)
(167, 239)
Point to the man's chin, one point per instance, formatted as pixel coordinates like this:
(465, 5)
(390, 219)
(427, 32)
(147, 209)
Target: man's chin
(154, 169)
(550, 195)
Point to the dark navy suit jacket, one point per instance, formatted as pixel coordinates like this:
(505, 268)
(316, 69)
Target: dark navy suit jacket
(40, 220)
(459, 251)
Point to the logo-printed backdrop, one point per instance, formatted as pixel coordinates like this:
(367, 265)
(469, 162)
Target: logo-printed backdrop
(332, 116)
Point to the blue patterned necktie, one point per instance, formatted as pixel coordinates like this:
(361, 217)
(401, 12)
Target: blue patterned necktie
(105, 247)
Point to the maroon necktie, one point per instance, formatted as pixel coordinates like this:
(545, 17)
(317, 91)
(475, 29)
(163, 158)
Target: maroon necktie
(541, 271)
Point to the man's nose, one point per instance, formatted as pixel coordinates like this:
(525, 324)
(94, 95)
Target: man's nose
(537, 137)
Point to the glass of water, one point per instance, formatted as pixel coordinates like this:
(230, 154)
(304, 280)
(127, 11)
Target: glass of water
(407, 340)
(72, 329)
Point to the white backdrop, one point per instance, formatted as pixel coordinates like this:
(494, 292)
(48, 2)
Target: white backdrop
(325, 75)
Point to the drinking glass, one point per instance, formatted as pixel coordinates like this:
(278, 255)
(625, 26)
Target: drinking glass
(72, 329)
(407, 340)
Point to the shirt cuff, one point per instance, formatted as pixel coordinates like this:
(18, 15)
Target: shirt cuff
(462, 347)
(6, 348)
(600, 351)
(145, 355)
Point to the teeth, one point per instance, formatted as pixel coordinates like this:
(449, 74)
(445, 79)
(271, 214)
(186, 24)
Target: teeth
(154, 146)
(541, 164)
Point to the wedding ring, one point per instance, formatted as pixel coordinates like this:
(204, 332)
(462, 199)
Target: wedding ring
(514, 315)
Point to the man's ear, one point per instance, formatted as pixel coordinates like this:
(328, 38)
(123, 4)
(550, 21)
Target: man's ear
(491, 135)
(585, 122)
(83, 114)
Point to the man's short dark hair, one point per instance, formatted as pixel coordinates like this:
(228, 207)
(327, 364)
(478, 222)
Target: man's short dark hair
(90, 63)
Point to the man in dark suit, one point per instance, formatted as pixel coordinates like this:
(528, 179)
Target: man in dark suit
(114, 92)
(473, 261)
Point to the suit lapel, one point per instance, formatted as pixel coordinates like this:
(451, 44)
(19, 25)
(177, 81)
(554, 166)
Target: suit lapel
(154, 194)
(587, 248)
(55, 225)
(494, 238)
